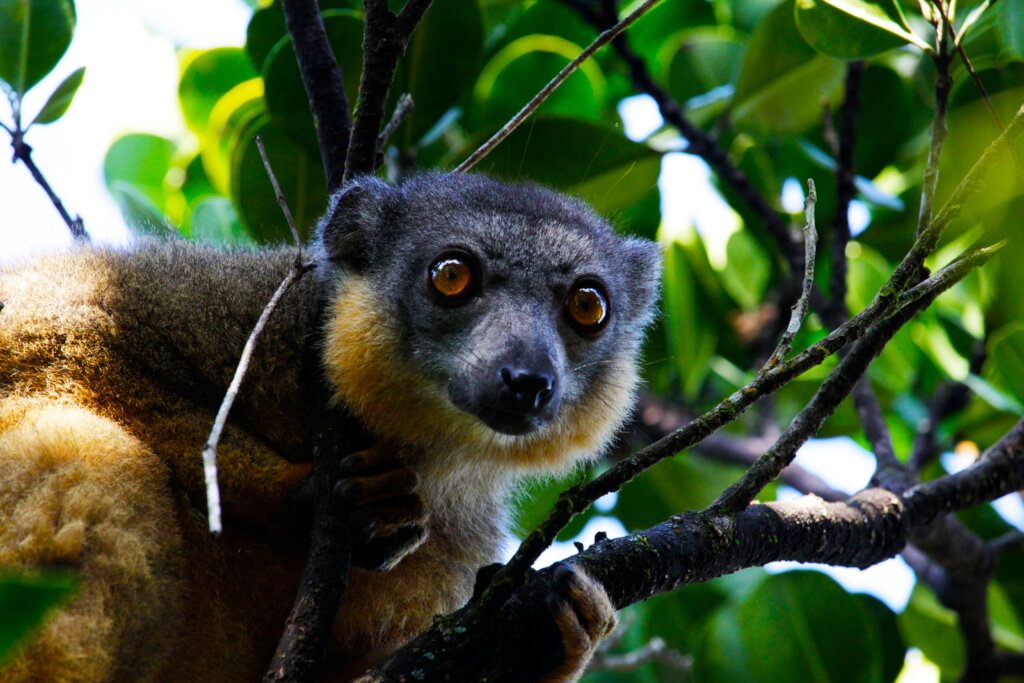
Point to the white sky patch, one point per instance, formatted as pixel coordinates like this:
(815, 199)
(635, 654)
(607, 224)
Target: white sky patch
(130, 85)
(640, 117)
(792, 196)
(842, 462)
(689, 199)
(559, 551)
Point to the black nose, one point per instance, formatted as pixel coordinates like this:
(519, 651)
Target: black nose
(526, 392)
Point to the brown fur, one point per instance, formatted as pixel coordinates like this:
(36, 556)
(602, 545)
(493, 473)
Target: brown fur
(112, 366)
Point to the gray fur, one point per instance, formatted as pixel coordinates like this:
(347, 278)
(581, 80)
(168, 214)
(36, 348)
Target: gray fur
(532, 245)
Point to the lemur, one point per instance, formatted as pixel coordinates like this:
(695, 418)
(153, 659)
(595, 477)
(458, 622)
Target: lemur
(480, 331)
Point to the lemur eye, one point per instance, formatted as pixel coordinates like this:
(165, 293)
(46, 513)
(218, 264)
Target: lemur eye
(453, 277)
(586, 308)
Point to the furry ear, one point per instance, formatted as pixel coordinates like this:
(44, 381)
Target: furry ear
(644, 259)
(352, 214)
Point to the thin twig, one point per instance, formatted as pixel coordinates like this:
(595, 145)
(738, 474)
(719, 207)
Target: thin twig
(943, 84)
(23, 151)
(282, 202)
(210, 449)
(970, 67)
(603, 39)
(403, 108)
(799, 311)
(297, 270)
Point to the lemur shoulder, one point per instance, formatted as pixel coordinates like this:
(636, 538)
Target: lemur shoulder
(481, 331)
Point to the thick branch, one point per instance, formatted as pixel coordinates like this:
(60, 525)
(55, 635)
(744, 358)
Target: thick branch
(385, 40)
(322, 77)
(695, 547)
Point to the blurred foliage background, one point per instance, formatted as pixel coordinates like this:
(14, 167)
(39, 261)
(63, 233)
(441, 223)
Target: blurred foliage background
(765, 78)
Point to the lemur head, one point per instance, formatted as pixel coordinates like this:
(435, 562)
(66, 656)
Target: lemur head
(484, 316)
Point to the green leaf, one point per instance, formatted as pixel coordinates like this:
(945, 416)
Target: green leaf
(1011, 26)
(34, 35)
(796, 626)
(692, 342)
(852, 29)
(783, 80)
(440, 64)
(534, 501)
(285, 95)
(700, 60)
(61, 98)
(1004, 366)
(932, 628)
(206, 77)
(24, 601)
(299, 173)
(747, 271)
(524, 66)
(593, 160)
(213, 219)
(134, 170)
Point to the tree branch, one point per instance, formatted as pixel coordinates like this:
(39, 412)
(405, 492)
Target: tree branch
(385, 40)
(322, 77)
(23, 152)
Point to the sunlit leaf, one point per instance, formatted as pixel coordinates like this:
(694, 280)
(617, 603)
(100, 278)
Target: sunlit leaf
(34, 34)
(206, 77)
(61, 98)
(852, 29)
(783, 81)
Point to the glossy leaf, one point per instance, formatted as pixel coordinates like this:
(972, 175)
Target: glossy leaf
(213, 220)
(796, 626)
(206, 77)
(700, 60)
(25, 600)
(783, 81)
(134, 169)
(591, 159)
(525, 66)
(61, 98)
(440, 64)
(1011, 26)
(34, 34)
(852, 29)
(300, 174)
(285, 95)
(691, 340)
(1004, 366)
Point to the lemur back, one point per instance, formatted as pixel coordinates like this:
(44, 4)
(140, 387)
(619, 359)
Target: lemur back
(480, 331)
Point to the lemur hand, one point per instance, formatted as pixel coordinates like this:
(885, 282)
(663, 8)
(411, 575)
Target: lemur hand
(380, 495)
(584, 616)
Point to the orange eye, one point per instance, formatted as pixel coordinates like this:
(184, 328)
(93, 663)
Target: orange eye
(451, 276)
(587, 309)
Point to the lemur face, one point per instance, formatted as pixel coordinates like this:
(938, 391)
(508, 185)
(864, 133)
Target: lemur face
(514, 301)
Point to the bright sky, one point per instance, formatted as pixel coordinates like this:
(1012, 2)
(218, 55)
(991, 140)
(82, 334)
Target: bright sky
(129, 50)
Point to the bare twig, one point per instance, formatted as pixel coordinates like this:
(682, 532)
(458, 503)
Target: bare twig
(403, 108)
(23, 152)
(799, 311)
(603, 39)
(655, 650)
(282, 202)
(210, 449)
(943, 84)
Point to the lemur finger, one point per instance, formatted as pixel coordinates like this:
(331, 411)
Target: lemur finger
(360, 490)
(368, 463)
(381, 554)
(588, 600)
(396, 511)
